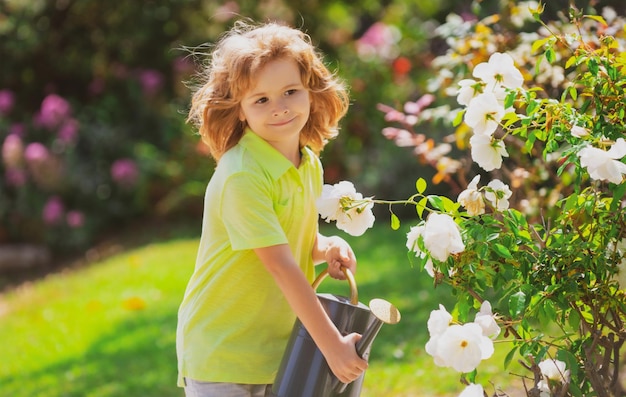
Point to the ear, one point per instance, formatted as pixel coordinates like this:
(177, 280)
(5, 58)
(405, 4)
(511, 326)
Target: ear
(242, 117)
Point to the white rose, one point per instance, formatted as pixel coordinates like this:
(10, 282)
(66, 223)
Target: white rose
(471, 198)
(473, 390)
(487, 321)
(499, 70)
(438, 321)
(554, 370)
(342, 203)
(484, 113)
(442, 236)
(487, 154)
(357, 220)
(499, 194)
(467, 91)
(605, 165)
(579, 132)
(462, 347)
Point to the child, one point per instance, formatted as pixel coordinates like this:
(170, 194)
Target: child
(267, 108)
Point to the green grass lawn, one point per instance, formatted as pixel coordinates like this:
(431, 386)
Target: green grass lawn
(108, 328)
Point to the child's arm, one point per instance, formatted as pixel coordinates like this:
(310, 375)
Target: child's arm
(336, 252)
(339, 351)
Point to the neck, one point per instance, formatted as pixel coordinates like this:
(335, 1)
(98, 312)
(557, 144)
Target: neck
(294, 157)
(291, 151)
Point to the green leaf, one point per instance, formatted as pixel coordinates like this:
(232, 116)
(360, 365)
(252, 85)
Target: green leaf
(570, 61)
(421, 206)
(436, 201)
(509, 357)
(550, 55)
(573, 319)
(570, 361)
(502, 251)
(592, 64)
(539, 43)
(509, 100)
(612, 72)
(585, 106)
(618, 193)
(549, 310)
(462, 308)
(537, 66)
(471, 376)
(395, 221)
(421, 185)
(572, 92)
(597, 18)
(459, 118)
(517, 302)
(444, 204)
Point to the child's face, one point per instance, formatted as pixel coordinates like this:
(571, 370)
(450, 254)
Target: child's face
(278, 105)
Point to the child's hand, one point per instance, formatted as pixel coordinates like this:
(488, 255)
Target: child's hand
(344, 361)
(339, 253)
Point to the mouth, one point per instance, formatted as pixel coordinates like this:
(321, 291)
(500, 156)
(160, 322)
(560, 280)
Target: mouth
(281, 123)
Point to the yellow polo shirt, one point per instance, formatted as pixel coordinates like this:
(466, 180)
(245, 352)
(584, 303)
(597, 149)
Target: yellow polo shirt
(234, 322)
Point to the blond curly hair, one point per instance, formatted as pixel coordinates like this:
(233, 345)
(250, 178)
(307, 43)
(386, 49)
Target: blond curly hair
(236, 58)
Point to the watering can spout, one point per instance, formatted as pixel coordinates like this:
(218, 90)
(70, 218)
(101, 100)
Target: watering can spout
(383, 313)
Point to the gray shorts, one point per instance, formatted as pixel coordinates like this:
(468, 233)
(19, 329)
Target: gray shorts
(195, 388)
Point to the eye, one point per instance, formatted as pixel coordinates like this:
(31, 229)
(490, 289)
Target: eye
(261, 100)
(290, 92)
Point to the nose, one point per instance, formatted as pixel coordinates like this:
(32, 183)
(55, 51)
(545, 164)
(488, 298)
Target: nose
(280, 110)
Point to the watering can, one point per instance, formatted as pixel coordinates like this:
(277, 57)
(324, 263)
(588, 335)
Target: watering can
(303, 371)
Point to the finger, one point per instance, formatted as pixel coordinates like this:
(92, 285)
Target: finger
(334, 269)
(344, 253)
(338, 275)
(350, 376)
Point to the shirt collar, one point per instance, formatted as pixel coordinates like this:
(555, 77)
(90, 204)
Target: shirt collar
(271, 159)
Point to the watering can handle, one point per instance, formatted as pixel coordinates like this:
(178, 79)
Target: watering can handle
(354, 295)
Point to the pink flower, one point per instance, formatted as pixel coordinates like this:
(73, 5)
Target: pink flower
(377, 35)
(378, 41)
(36, 153)
(402, 137)
(54, 110)
(96, 86)
(45, 169)
(124, 172)
(417, 107)
(15, 177)
(12, 151)
(53, 211)
(75, 219)
(68, 131)
(151, 81)
(183, 65)
(7, 100)
(18, 129)
(391, 114)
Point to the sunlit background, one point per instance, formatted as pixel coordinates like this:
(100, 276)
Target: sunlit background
(93, 98)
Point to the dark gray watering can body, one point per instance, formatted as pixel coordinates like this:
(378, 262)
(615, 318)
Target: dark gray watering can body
(303, 371)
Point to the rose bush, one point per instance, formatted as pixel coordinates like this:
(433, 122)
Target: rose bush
(549, 276)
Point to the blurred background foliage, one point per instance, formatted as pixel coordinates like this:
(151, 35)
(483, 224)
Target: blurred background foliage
(93, 102)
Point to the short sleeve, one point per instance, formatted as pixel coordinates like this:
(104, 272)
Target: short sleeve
(248, 213)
